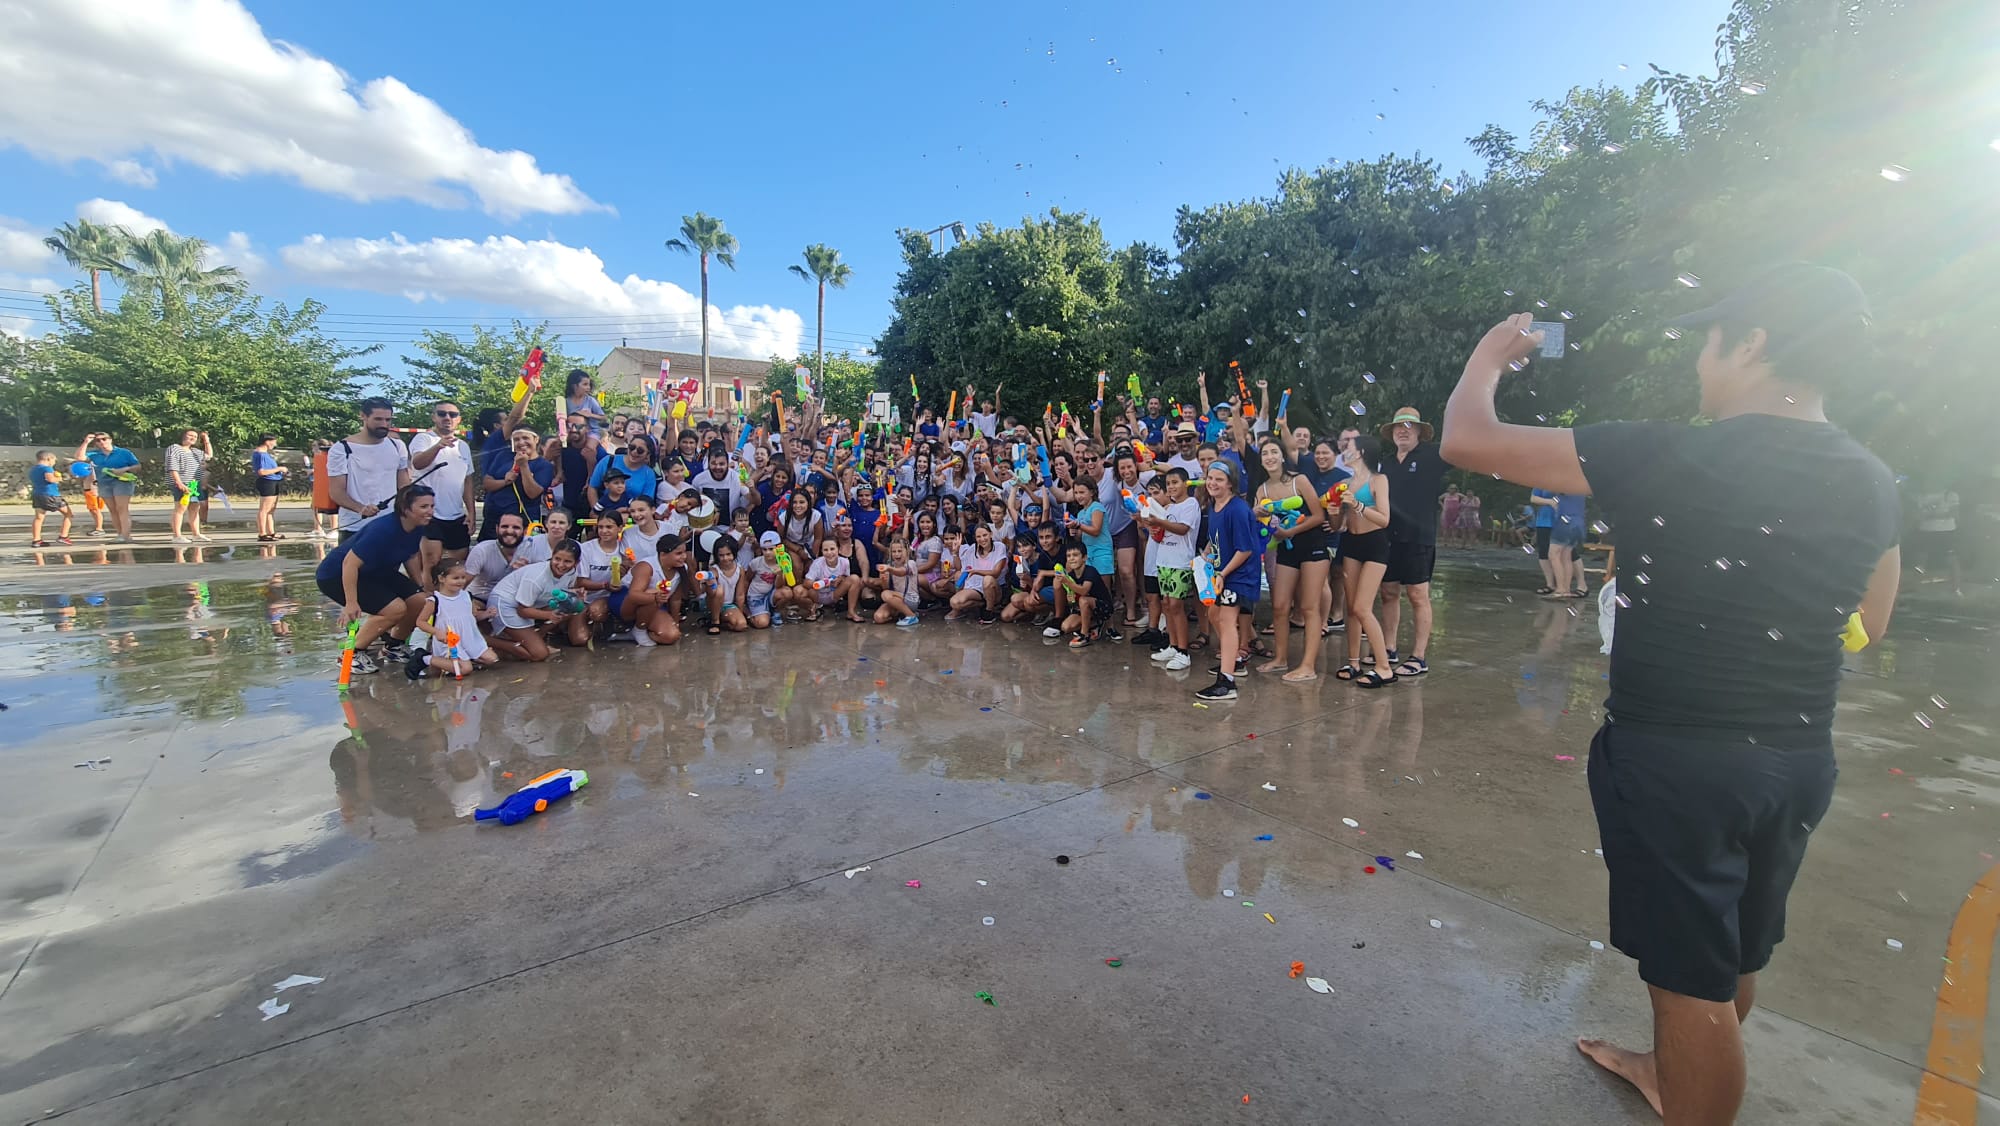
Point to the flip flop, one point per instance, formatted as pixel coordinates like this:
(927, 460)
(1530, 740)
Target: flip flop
(1299, 676)
(1346, 672)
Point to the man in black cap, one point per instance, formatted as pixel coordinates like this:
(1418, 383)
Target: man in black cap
(1760, 543)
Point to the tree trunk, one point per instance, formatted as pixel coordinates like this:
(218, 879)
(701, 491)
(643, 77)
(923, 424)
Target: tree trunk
(704, 322)
(820, 333)
(96, 292)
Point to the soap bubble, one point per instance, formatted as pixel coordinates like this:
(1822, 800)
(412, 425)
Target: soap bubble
(1673, 334)
(1358, 407)
(1644, 578)
(1613, 148)
(1692, 281)
(1367, 377)
(1774, 635)
(1923, 720)
(1938, 702)
(1895, 173)
(1752, 88)
(1567, 315)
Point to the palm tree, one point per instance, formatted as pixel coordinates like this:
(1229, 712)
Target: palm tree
(171, 266)
(703, 234)
(823, 265)
(95, 248)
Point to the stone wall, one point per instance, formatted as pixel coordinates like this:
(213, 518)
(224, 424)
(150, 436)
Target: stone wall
(230, 470)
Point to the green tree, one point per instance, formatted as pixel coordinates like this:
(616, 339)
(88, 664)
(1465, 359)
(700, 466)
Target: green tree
(173, 270)
(844, 385)
(703, 234)
(223, 364)
(824, 267)
(95, 248)
(478, 372)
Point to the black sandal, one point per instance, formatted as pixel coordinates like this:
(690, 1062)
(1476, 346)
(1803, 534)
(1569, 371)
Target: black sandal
(1346, 672)
(1373, 679)
(713, 630)
(1545, 590)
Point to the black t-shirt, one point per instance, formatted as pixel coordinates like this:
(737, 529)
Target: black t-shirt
(1742, 548)
(1415, 483)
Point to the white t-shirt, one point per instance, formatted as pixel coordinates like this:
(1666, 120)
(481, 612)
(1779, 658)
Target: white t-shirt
(987, 424)
(969, 558)
(488, 566)
(1177, 551)
(528, 586)
(371, 475)
(1191, 465)
(595, 566)
(446, 473)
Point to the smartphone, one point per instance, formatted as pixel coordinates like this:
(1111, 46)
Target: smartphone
(1552, 337)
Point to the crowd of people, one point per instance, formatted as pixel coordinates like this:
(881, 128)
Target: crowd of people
(1164, 530)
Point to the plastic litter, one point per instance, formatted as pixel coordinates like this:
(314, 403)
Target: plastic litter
(1270, 787)
(1894, 944)
(1298, 969)
(981, 883)
(296, 980)
(760, 770)
(1202, 795)
(1596, 945)
(1267, 837)
(1269, 919)
(1114, 963)
(271, 1008)
(913, 883)
(1565, 758)
(1435, 924)
(1388, 862)
(1318, 985)
(1350, 822)
(1202, 706)
(987, 921)
(1368, 868)
(1228, 893)
(1063, 858)
(1414, 855)
(983, 995)
(853, 872)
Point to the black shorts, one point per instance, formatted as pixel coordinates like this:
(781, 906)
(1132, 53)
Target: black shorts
(1151, 584)
(1703, 834)
(1365, 547)
(372, 592)
(1542, 542)
(1410, 564)
(50, 504)
(269, 486)
(451, 533)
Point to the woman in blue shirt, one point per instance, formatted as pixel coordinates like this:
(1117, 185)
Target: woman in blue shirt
(636, 463)
(366, 575)
(578, 399)
(117, 478)
(1236, 553)
(517, 481)
(270, 478)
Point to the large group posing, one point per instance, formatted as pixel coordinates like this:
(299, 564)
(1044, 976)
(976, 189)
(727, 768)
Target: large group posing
(1166, 528)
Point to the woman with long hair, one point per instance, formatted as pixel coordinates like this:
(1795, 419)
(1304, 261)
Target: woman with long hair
(1300, 558)
(1364, 556)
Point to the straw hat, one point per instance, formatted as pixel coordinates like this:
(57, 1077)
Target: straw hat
(1408, 414)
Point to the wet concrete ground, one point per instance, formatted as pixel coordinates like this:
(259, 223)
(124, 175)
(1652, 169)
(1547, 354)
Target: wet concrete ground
(680, 942)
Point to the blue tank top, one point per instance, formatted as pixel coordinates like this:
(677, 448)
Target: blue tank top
(1364, 494)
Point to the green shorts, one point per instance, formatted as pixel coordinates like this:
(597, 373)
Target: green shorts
(1176, 582)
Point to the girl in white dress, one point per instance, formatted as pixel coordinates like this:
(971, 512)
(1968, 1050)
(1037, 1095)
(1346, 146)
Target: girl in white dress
(456, 645)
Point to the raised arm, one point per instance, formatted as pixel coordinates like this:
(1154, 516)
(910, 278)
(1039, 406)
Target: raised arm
(1474, 437)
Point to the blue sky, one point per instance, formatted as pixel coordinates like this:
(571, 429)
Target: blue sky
(510, 159)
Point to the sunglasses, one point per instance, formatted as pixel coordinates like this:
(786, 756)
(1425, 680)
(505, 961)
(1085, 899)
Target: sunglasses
(445, 414)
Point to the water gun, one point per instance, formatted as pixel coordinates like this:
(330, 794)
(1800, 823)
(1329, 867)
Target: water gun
(1125, 495)
(193, 493)
(1242, 390)
(1021, 569)
(778, 405)
(1133, 388)
(1141, 450)
(1284, 401)
(1286, 512)
(451, 644)
(563, 602)
(736, 385)
(951, 411)
(1098, 404)
(916, 396)
(1174, 409)
(1854, 638)
(534, 797)
(743, 437)
(1042, 453)
(625, 556)
(785, 566)
(1204, 580)
(743, 474)
(530, 378)
(347, 654)
(964, 575)
(705, 578)
(1336, 497)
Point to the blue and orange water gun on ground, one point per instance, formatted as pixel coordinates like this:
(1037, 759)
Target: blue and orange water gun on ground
(534, 797)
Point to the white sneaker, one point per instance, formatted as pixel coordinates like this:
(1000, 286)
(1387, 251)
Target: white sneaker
(1051, 631)
(643, 639)
(1177, 662)
(203, 538)
(1164, 654)
(363, 663)
(182, 539)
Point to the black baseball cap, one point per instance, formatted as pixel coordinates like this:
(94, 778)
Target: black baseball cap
(1792, 303)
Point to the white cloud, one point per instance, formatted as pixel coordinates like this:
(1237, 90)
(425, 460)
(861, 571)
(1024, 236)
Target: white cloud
(543, 278)
(236, 250)
(117, 213)
(131, 172)
(198, 81)
(23, 258)
(22, 249)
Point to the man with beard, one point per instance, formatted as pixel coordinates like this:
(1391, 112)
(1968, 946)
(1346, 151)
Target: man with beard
(367, 469)
(719, 483)
(446, 460)
(491, 560)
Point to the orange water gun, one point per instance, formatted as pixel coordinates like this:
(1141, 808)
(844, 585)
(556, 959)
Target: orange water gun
(1242, 390)
(451, 643)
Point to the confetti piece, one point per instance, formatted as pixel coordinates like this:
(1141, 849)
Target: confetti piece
(506, 774)
(1298, 969)
(1249, 736)
(692, 794)
(1269, 919)
(270, 1008)
(983, 995)
(760, 770)
(913, 883)
(1318, 985)
(1414, 855)
(296, 980)
(1247, 903)
(1228, 893)
(881, 684)
(1565, 758)
(1435, 924)
(981, 883)
(986, 709)
(987, 921)
(1350, 822)
(1114, 963)
(1388, 862)
(1270, 787)
(1267, 837)
(1202, 795)
(853, 872)
(1203, 707)
(1893, 944)
(1246, 1100)
(1368, 868)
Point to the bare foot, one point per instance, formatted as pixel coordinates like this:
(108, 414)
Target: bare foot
(1273, 666)
(1635, 1068)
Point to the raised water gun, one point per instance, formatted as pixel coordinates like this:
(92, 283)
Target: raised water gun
(347, 655)
(804, 376)
(785, 566)
(684, 394)
(916, 396)
(1284, 402)
(534, 797)
(1042, 454)
(1065, 423)
(1141, 450)
(1131, 503)
(1242, 390)
(743, 437)
(951, 411)
(1204, 579)
(530, 378)
(778, 405)
(1098, 405)
(1133, 387)
(736, 385)
(451, 644)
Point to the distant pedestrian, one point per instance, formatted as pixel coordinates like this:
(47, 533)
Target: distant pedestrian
(116, 472)
(46, 484)
(270, 479)
(186, 466)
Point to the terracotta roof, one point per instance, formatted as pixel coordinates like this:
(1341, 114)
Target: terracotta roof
(687, 363)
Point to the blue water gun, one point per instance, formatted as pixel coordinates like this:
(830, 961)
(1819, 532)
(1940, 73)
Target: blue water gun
(534, 797)
(1042, 452)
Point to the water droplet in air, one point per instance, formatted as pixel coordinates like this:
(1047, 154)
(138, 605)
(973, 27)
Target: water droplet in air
(1516, 365)
(1565, 148)
(1599, 527)
(1774, 635)
(1576, 347)
(1541, 304)
(1623, 602)
(1248, 340)
(1367, 377)
(1613, 148)
(1423, 250)
(1508, 292)
(1923, 720)
(1692, 281)
(1446, 187)
(1658, 522)
(1302, 312)
(1673, 334)
(1527, 547)
(1938, 702)
(1111, 62)
(1644, 578)
(1545, 418)
(1895, 173)
(1298, 339)
(1722, 564)
(1752, 88)
(1358, 407)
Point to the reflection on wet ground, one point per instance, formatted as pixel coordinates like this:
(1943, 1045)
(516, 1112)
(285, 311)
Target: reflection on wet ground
(250, 823)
